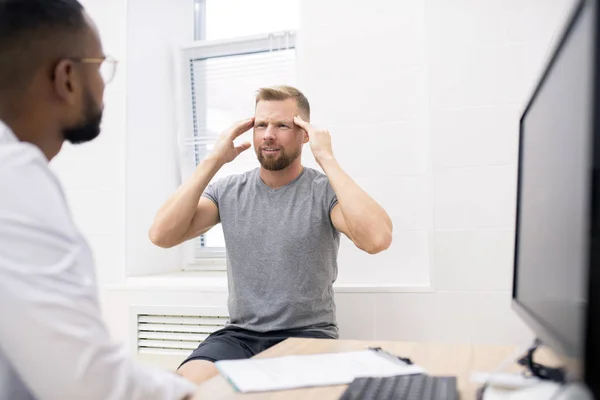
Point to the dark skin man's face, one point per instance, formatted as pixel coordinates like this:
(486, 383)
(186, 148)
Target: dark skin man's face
(79, 87)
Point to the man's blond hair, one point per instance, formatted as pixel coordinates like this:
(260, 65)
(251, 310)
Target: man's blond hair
(283, 92)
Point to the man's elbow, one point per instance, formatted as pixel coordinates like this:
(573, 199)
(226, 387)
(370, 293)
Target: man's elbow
(158, 238)
(379, 244)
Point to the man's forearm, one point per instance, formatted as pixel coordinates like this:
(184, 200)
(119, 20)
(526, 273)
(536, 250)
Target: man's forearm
(368, 223)
(175, 216)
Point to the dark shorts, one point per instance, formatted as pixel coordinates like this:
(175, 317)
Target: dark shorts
(233, 343)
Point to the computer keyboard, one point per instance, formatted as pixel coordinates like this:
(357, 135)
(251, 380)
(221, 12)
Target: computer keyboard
(403, 387)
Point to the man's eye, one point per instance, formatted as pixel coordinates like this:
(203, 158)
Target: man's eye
(283, 126)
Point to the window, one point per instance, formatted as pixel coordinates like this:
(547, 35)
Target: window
(230, 19)
(220, 76)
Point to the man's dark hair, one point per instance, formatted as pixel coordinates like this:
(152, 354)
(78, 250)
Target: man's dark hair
(31, 31)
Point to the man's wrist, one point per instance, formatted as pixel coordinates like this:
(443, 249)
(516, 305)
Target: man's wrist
(325, 159)
(213, 161)
(209, 166)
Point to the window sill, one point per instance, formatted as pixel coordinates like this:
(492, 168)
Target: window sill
(216, 281)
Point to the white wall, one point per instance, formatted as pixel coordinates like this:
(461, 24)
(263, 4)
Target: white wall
(154, 30)
(422, 99)
(93, 174)
(364, 69)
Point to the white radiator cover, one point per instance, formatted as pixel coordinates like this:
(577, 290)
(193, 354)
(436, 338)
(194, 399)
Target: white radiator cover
(165, 336)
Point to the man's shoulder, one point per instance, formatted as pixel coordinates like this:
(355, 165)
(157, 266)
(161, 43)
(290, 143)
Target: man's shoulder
(22, 164)
(19, 154)
(315, 177)
(30, 188)
(319, 184)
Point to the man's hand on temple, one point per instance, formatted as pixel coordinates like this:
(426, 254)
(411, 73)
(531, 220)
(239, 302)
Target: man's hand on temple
(320, 139)
(225, 150)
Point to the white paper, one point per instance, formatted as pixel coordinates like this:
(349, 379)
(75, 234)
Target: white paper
(290, 372)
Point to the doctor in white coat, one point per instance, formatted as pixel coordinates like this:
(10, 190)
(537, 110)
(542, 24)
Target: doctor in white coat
(53, 344)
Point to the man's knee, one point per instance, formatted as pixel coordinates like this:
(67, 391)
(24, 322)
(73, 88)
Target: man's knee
(198, 371)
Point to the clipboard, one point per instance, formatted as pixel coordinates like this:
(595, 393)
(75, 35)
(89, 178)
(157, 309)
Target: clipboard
(329, 369)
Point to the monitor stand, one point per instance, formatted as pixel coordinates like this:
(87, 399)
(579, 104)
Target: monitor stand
(541, 391)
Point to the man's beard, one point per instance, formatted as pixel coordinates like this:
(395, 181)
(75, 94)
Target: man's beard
(277, 164)
(89, 128)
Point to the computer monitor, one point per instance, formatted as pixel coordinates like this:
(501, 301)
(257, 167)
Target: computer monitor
(556, 288)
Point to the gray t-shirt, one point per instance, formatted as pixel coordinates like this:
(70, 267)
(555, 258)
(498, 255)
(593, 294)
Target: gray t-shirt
(281, 251)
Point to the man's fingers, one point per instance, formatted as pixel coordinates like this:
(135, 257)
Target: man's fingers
(243, 147)
(241, 127)
(303, 124)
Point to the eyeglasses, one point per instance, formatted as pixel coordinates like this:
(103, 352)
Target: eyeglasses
(108, 66)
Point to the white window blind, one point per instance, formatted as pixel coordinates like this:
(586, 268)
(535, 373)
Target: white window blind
(219, 87)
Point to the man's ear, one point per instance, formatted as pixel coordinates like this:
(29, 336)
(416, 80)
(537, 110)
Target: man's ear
(306, 138)
(64, 82)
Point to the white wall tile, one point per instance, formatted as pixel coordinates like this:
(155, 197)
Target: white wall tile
(460, 22)
(486, 75)
(475, 198)
(536, 19)
(109, 256)
(473, 260)
(423, 317)
(494, 22)
(388, 93)
(98, 211)
(337, 15)
(152, 165)
(494, 322)
(375, 150)
(406, 199)
(405, 263)
(356, 315)
(151, 259)
(475, 136)
(471, 76)
(351, 45)
(450, 317)
(95, 165)
(352, 72)
(363, 70)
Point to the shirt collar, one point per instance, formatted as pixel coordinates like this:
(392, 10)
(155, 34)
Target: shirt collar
(6, 134)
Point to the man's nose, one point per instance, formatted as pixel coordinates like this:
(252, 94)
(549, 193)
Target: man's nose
(269, 133)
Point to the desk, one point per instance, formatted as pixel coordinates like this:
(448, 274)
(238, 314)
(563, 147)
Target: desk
(437, 359)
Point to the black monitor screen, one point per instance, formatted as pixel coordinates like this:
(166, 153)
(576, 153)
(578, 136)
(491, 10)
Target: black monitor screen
(552, 253)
